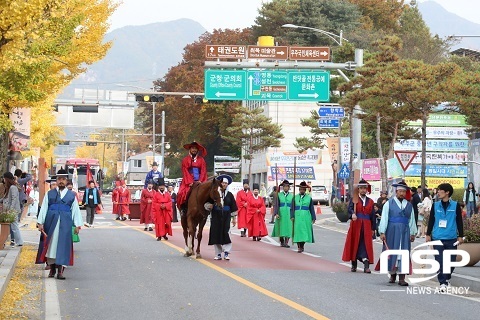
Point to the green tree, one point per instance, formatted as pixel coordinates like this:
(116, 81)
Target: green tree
(254, 132)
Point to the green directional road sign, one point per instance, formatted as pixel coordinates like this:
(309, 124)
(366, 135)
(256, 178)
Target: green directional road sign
(267, 85)
(309, 86)
(225, 85)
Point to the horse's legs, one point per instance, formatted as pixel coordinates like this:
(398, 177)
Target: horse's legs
(184, 222)
(191, 235)
(199, 237)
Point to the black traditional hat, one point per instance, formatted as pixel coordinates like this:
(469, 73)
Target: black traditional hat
(154, 164)
(303, 184)
(224, 177)
(285, 182)
(245, 181)
(150, 181)
(256, 186)
(62, 173)
(160, 182)
(364, 183)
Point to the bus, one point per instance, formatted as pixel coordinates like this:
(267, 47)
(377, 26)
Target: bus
(81, 164)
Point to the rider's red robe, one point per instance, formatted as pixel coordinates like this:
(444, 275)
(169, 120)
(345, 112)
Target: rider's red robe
(193, 169)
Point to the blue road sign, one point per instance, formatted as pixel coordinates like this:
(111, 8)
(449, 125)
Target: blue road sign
(328, 123)
(331, 112)
(344, 172)
(267, 85)
(309, 86)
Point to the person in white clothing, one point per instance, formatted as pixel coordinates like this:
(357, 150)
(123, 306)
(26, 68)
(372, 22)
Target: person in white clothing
(35, 195)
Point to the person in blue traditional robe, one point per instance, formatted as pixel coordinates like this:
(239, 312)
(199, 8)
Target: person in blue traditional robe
(398, 229)
(58, 218)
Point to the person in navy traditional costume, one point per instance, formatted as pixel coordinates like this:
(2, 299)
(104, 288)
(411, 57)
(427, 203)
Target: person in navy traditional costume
(359, 244)
(398, 229)
(59, 213)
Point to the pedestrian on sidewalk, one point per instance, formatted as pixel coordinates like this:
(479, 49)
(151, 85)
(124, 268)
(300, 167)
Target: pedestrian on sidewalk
(445, 224)
(242, 205)
(33, 207)
(220, 220)
(359, 242)
(256, 211)
(274, 196)
(398, 229)
(91, 199)
(162, 211)
(469, 199)
(146, 203)
(11, 201)
(283, 225)
(59, 213)
(303, 217)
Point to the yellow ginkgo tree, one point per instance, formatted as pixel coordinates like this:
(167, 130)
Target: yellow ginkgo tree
(44, 45)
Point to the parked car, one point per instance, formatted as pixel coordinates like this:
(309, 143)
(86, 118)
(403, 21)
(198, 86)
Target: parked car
(320, 194)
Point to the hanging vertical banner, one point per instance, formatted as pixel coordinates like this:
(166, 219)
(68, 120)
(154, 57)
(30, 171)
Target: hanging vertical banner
(345, 150)
(20, 136)
(333, 145)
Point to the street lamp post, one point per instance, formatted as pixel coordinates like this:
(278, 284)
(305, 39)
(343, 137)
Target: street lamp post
(163, 143)
(328, 34)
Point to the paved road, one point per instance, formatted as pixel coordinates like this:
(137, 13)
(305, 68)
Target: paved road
(122, 272)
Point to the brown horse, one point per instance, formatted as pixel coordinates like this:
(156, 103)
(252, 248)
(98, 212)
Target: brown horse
(199, 194)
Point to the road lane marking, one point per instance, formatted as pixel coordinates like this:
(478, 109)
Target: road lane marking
(52, 304)
(268, 293)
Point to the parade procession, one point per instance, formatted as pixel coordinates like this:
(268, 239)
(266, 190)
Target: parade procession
(302, 159)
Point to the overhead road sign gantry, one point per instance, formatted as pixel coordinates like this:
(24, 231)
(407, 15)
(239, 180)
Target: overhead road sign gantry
(225, 51)
(331, 112)
(267, 85)
(272, 53)
(309, 86)
(225, 84)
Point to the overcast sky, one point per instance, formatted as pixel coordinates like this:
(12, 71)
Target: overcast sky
(230, 13)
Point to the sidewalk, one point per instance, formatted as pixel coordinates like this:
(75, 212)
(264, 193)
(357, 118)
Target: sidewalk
(9, 256)
(461, 277)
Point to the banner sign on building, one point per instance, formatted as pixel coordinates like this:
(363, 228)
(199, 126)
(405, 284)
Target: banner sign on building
(371, 169)
(434, 170)
(442, 120)
(301, 173)
(309, 157)
(20, 136)
(433, 182)
(442, 158)
(445, 133)
(474, 168)
(433, 145)
(394, 170)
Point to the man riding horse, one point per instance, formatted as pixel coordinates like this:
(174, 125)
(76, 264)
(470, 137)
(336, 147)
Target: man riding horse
(194, 169)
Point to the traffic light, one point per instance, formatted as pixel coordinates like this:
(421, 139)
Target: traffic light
(149, 97)
(64, 143)
(200, 100)
(91, 144)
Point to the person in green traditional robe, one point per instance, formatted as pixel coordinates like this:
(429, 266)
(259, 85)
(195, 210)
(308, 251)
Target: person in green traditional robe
(303, 217)
(283, 224)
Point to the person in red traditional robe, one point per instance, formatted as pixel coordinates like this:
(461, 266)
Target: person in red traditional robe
(359, 243)
(256, 211)
(124, 198)
(115, 199)
(194, 169)
(162, 212)
(146, 200)
(242, 205)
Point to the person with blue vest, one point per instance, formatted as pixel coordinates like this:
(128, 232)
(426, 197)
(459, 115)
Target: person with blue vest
(59, 214)
(153, 175)
(91, 199)
(398, 229)
(445, 224)
(283, 225)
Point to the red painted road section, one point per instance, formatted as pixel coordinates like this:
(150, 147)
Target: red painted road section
(250, 254)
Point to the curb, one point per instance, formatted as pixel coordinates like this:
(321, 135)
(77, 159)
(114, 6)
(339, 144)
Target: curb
(7, 266)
